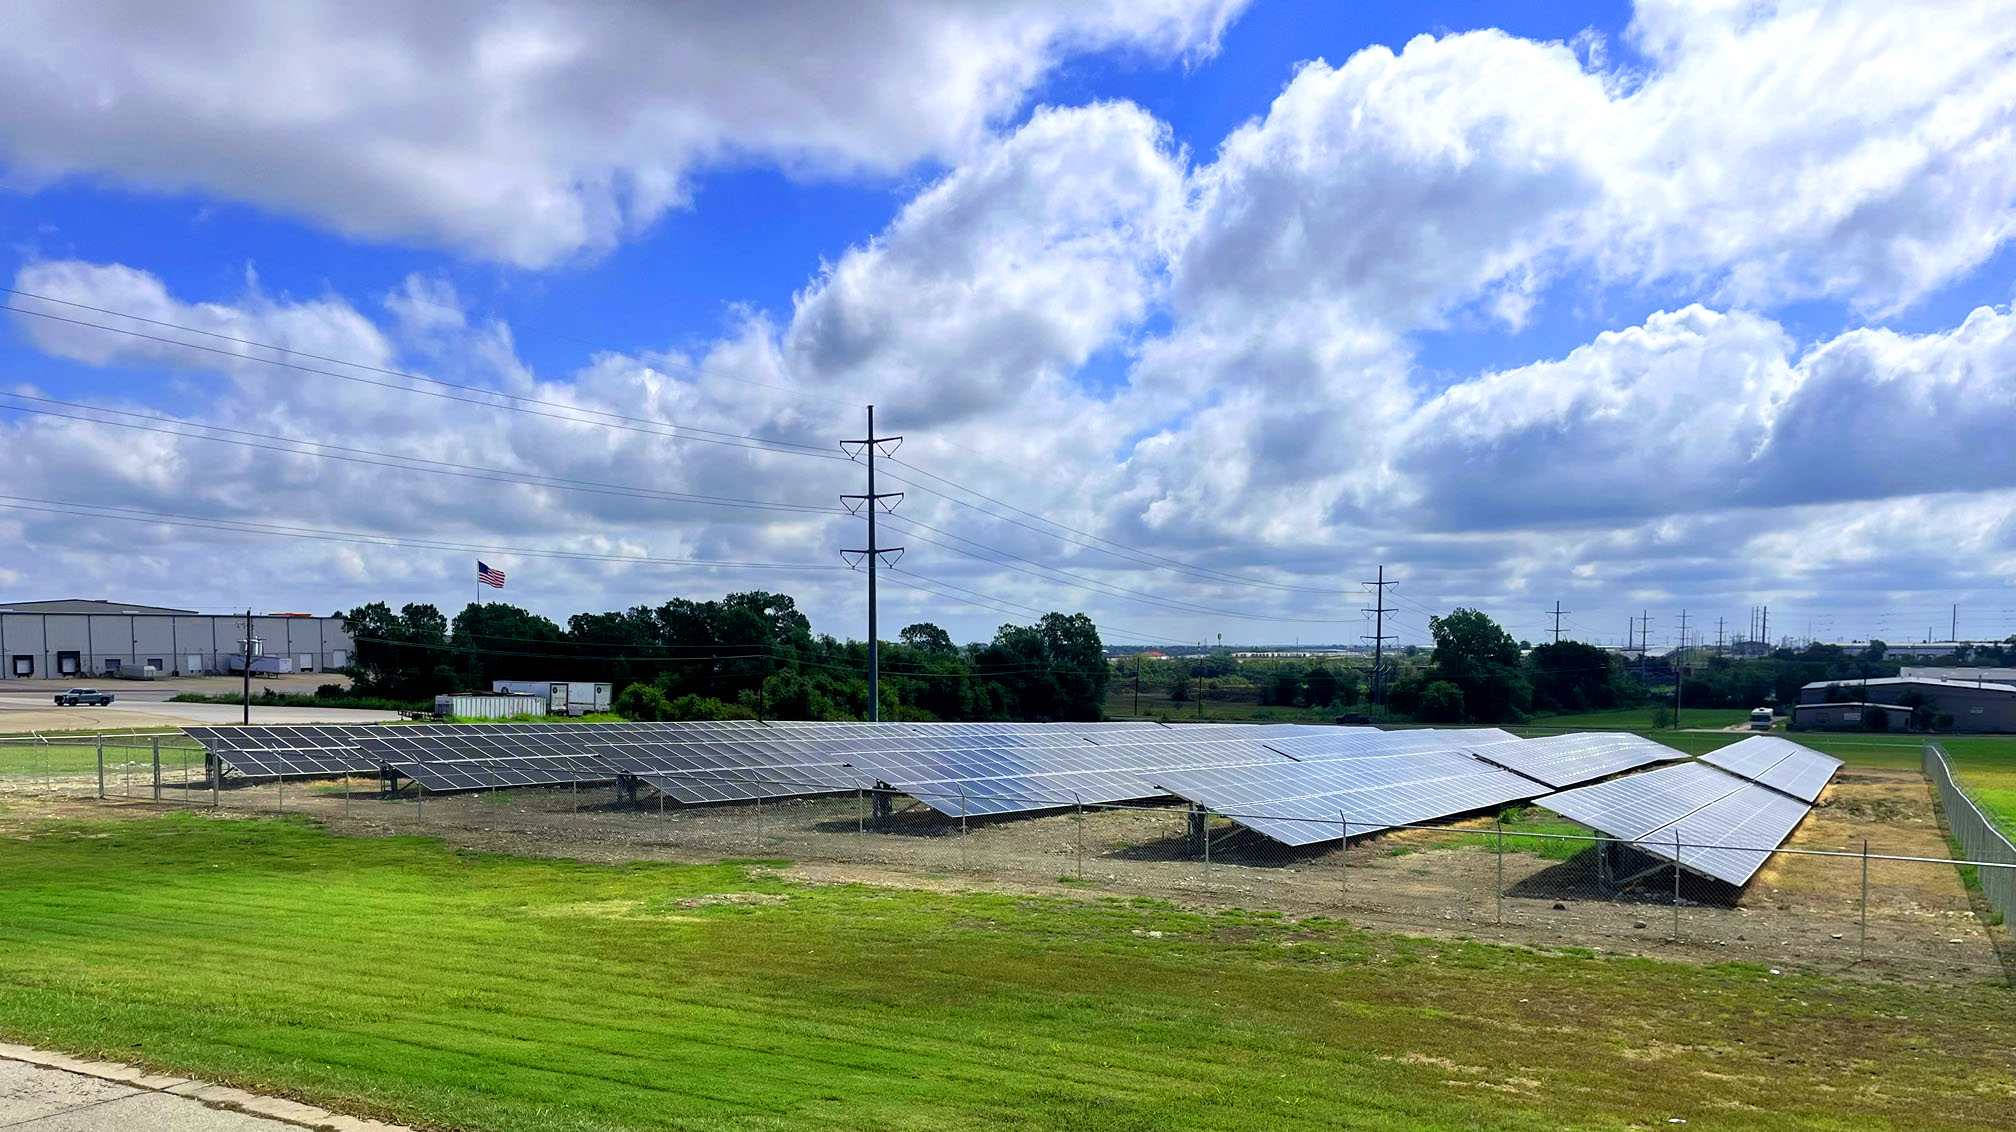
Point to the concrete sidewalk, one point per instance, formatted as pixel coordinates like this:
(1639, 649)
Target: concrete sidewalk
(50, 1092)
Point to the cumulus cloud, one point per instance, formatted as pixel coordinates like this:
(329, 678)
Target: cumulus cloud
(1209, 356)
(527, 132)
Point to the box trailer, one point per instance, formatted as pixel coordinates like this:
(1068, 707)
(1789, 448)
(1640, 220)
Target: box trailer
(487, 705)
(542, 689)
(578, 697)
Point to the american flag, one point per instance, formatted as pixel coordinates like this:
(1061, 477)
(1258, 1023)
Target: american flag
(489, 576)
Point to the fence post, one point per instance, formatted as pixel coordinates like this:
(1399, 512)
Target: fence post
(759, 824)
(860, 810)
(154, 746)
(1206, 825)
(215, 767)
(1344, 855)
(1501, 869)
(101, 766)
(346, 795)
(1078, 825)
(1863, 955)
(185, 774)
(1676, 884)
(964, 861)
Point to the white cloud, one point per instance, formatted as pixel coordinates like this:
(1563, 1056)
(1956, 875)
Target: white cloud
(1212, 361)
(527, 132)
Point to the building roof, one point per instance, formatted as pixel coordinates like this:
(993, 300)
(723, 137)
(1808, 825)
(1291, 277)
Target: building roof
(1962, 675)
(1894, 681)
(86, 605)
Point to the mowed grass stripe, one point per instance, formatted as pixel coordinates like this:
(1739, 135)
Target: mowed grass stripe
(528, 1004)
(279, 968)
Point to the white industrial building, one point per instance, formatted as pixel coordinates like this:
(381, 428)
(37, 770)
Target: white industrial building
(89, 638)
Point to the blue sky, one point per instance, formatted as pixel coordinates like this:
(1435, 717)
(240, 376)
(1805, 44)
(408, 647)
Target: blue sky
(1158, 276)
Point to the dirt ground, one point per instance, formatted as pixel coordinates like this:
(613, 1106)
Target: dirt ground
(1800, 911)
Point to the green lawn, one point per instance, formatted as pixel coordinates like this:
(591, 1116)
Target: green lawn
(1640, 719)
(396, 978)
(34, 760)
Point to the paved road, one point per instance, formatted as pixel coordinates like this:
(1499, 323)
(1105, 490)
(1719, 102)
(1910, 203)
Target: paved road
(22, 713)
(35, 1096)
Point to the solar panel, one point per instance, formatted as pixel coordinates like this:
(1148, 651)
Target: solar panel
(1564, 760)
(486, 761)
(1349, 742)
(1781, 764)
(725, 770)
(1302, 803)
(276, 752)
(1726, 827)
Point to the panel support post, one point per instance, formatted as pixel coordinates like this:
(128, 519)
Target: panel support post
(860, 810)
(1863, 944)
(1196, 828)
(215, 766)
(884, 807)
(964, 860)
(280, 792)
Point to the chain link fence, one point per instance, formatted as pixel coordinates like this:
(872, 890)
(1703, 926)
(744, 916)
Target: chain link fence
(1837, 900)
(1978, 835)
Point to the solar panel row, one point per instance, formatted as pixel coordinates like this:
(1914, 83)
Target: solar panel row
(1781, 764)
(1711, 823)
(1289, 782)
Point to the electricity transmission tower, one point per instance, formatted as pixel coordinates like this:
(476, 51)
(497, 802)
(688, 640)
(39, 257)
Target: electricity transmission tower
(866, 505)
(1379, 635)
(1558, 612)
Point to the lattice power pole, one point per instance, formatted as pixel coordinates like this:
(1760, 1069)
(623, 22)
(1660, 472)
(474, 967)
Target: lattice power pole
(1379, 635)
(871, 554)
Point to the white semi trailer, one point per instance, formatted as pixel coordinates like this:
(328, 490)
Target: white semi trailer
(563, 697)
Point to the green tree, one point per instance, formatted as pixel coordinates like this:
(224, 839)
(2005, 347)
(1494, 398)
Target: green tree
(1876, 650)
(1440, 701)
(1286, 687)
(496, 641)
(1569, 676)
(400, 656)
(1323, 686)
(929, 638)
(1474, 653)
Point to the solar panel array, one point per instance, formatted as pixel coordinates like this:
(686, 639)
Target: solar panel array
(1692, 814)
(1290, 782)
(1564, 760)
(1781, 764)
(1302, 803)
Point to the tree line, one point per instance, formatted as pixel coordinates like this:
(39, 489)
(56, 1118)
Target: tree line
(747, 655)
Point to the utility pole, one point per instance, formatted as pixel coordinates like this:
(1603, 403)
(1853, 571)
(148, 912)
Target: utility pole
(1557, 622)
(1718, 636)
(1764, 627)
(248, 667)
(1644, 640)
(866, 504)
(1953, 634)
(1379, 635)
(1679, 670)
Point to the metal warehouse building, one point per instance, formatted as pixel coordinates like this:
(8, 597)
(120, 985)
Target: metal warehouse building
(79, 637)
(1974, 706)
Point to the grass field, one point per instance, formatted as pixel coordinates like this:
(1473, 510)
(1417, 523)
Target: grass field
(1640, 719)
(396, 978)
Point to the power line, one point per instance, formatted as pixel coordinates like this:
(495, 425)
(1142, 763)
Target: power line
(619, 421)
(241, 526)
(384, 459)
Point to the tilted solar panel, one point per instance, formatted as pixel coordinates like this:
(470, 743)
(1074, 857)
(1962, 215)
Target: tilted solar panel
(1564, 760)
(1303, 803)
(487, 760)
(1726, 827)
(285, 752)
(1781, 764)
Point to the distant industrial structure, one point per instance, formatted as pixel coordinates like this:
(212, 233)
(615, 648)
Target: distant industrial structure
(85, 637)
(1911, 650)
(1853, 704)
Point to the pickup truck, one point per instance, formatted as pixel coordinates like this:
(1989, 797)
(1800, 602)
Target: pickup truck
(76, 696)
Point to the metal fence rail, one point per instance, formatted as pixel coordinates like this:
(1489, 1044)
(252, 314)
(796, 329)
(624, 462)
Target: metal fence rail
(1979, 837)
